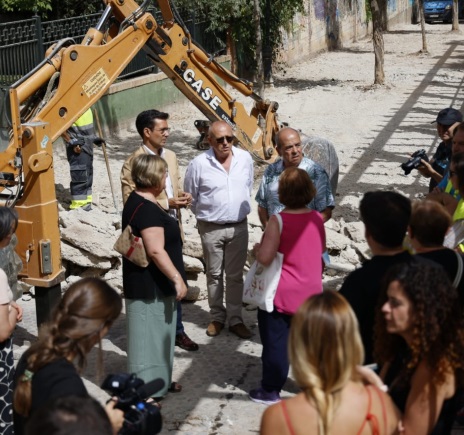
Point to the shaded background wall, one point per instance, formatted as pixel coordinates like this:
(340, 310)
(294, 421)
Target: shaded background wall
(328, 24)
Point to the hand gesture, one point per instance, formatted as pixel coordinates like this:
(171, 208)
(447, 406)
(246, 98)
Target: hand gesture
(182, 201)
(426, 169)
(116, 416)
(19, 316)
(181, 288)
(368, 376)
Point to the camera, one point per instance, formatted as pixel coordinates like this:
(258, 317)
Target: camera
(139, 417)
(414, 162)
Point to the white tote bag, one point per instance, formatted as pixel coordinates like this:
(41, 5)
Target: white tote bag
(261, 281)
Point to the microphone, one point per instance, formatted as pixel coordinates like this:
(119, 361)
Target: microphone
(150, 388)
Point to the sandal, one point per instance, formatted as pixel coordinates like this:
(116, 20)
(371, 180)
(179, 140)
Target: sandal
(175, 387)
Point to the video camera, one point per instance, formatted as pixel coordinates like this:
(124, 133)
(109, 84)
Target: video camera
(414, 162)
(139, 417)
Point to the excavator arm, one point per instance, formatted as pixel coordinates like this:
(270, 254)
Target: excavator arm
(72, 77)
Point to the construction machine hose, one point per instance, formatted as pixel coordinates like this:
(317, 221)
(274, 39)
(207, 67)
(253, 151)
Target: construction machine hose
(58, 46)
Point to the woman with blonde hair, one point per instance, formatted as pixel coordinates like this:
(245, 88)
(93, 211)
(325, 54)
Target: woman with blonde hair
(151, 293)
(325, 351)
(50, 367)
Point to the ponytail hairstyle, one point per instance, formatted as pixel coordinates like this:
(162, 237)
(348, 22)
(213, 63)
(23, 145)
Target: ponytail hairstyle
(78, 322)
(8, 222)
(324, 348)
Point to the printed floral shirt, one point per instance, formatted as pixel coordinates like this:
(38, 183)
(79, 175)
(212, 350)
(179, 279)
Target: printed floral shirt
(268, 198)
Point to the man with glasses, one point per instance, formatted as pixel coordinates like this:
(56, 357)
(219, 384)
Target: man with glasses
(152, 125)
(289, 149)
(220, 181)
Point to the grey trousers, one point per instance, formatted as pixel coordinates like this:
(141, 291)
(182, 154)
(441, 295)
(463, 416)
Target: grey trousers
(225, 251)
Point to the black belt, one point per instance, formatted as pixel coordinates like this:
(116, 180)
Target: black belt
(226, 223)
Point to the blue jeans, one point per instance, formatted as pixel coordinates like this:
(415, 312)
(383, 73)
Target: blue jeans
(179, 324)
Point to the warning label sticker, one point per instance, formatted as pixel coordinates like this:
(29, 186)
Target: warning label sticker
(98, 81)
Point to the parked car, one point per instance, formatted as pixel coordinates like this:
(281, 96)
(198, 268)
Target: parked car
(440, 10)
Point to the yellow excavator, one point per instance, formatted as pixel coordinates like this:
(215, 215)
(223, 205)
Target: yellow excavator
(43, 104)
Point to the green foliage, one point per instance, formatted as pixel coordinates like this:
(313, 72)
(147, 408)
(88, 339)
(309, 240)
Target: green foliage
(25, 5)
(52, 9)
(237, 17)
(220, 14)
(72, 8)
(368, 11)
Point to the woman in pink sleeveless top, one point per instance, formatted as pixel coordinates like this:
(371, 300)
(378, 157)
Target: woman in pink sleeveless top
(325, 351)
(302, 242)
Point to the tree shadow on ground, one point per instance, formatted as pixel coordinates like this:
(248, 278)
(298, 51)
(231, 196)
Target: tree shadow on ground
(299, 84)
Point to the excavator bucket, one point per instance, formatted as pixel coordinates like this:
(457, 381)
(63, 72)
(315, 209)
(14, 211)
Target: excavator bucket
(322, 151)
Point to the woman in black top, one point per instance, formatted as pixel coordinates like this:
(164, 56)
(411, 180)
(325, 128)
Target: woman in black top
(47, 369)
(152, 292)
(420, 345)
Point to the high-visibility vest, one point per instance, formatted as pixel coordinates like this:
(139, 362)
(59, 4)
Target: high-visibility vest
(85, 119)
(459, 212)
(452, 191)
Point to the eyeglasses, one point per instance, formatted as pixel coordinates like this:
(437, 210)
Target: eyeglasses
(162, 130)
(228, 139)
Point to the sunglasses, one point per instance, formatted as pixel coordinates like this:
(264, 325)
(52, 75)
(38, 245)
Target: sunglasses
(228, 139)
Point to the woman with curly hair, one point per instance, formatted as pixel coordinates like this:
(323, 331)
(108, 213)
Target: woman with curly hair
(325, 351)
(50, 367)
(420, 345)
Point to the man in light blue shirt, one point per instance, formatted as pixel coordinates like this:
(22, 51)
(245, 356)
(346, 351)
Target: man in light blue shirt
(289, 149)
(220, 182)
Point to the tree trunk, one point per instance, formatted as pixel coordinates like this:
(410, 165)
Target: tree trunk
(231, 51)
(267, 49)
(377, 39)
(384, 15)
(422, 23)
(259, 74)
(415, 18)
(455, 25)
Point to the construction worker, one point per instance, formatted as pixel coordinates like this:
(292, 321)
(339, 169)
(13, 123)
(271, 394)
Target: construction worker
(79, 139)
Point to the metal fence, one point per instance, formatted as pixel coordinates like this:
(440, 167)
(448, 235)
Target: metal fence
(23, 43)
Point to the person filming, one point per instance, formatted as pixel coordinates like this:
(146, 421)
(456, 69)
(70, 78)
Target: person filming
(50, 367)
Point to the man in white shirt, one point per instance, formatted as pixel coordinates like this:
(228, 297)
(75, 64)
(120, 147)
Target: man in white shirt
(220, 181)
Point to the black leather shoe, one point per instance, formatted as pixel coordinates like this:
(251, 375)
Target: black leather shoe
(184, 342)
